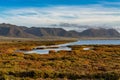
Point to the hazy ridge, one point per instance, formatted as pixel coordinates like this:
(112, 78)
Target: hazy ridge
(9, 30)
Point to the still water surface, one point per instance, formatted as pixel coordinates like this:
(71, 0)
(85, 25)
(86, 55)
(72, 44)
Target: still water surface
(81, 42)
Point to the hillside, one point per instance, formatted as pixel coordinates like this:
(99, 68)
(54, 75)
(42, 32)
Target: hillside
(48, 32)
(9, 30)
(101, 32)
(14, 31)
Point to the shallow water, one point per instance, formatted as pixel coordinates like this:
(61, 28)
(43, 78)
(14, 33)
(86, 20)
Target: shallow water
(94, 42)
(46, 51)
(81, 42)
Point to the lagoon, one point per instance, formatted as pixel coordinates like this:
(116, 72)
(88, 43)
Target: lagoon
(95, 42)
(80, 42)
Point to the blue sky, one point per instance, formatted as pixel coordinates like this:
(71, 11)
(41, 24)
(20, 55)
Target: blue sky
(41, 3)
(46, 12)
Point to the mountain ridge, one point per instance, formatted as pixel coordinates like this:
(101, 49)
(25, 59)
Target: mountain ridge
(10, 30)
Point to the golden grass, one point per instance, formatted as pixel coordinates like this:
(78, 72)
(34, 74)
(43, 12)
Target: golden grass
(101, 62)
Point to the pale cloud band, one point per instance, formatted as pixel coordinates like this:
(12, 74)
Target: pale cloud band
(83, 15)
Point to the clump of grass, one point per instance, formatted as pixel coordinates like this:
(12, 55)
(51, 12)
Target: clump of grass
(102, 62)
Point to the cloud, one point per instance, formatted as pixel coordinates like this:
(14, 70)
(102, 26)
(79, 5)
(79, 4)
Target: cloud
(83, 15)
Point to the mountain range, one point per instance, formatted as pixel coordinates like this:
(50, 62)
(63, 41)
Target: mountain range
(9, 30)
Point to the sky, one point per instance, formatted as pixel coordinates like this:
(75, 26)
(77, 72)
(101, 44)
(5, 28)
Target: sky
(46, 12)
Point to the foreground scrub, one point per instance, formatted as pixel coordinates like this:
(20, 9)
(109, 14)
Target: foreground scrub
(102, 62)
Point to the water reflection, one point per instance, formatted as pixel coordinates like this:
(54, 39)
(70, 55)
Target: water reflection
(56, 48)
(46, 51)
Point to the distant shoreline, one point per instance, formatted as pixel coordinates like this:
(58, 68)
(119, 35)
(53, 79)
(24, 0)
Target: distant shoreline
(54, 38)
(99, 38)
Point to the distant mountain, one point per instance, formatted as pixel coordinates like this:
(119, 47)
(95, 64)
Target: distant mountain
(48, 32)
(14, 31)
(100, 32)
(9, 30)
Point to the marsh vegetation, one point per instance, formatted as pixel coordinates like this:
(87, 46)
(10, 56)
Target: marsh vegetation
(102, 62)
